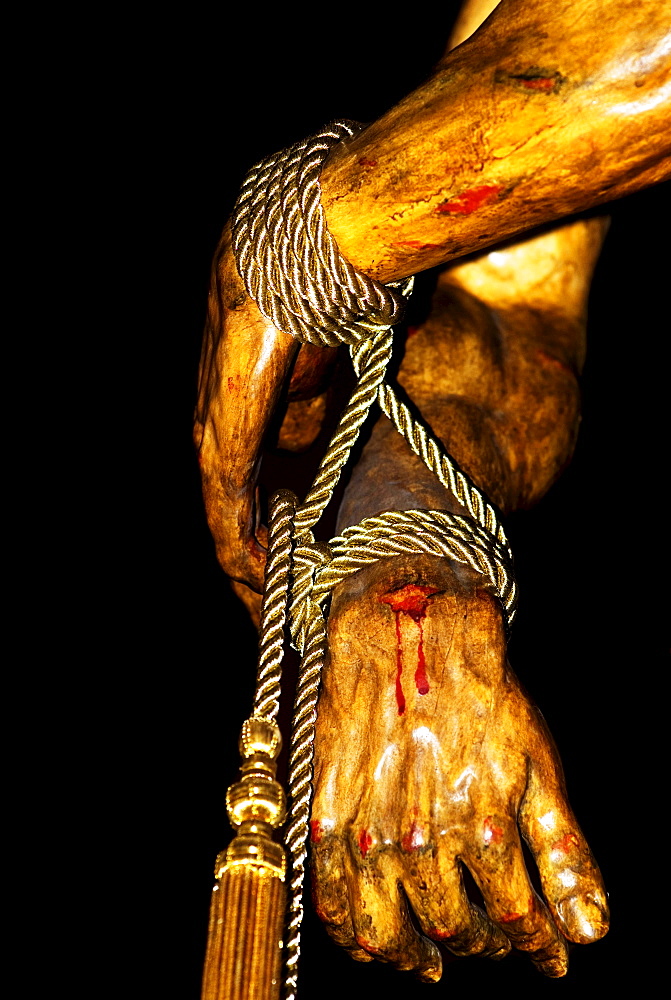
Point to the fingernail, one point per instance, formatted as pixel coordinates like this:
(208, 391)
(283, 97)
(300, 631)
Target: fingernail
(431, 973)
(433, 970)
(501, 952)
(360, 956)
(585, 920)
(554, 968)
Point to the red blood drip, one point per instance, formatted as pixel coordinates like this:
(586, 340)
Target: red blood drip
(568, 841)
(232, 387)
(421, 680)
(365, 842)
(470, 201)
(367, 163)
(400, 697)
(507, 918)
(413, 840)
(539, 83)
(411, 600)
(316, 831)
(493, 834)
(438, 934)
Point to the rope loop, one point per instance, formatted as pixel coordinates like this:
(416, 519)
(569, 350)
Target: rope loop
(290, 263)
(308, 559)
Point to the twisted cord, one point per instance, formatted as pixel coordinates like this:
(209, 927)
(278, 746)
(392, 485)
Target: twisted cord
(292, 267)
(371, 373)
(435, 532)
(288, 260)
(276, 583)
(435, 457)
(300, 783)
(309, 556)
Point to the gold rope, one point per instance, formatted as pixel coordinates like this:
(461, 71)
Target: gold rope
(292, 267)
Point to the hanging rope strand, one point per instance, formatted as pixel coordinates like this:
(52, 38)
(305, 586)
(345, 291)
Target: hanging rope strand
(300, 786)
(370, 375)
(281, 513)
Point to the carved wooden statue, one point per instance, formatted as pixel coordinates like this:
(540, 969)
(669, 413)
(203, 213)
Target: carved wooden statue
(428, 755)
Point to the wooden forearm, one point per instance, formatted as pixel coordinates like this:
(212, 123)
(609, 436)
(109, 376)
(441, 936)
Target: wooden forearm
(548, 109)
(494, 371)
(244, 363)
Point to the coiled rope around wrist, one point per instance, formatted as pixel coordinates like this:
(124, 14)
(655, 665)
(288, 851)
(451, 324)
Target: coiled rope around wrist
(292, 267)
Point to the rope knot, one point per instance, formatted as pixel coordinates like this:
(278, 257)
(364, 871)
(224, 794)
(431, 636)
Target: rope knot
(308, 559)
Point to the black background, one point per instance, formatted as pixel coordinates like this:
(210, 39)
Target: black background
(204, 97)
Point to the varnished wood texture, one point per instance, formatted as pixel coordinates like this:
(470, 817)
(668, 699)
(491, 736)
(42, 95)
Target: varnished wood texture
(549, 108)
(431, 758)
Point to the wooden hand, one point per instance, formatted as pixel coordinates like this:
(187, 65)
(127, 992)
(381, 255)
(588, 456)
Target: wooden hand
(431, 759)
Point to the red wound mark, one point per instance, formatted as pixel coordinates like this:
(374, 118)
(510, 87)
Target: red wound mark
(367, 163)
(232, 385)
(411, 600)
(255, 550)
(440, 935)
(539, 83)
(550, 362)
(416, 245)
(470, 201)
(365, 842)
(413, 840)
(536, 78)
(568, 841)
(366, 945)
(508, 918)
(316, 831)
(492, 834)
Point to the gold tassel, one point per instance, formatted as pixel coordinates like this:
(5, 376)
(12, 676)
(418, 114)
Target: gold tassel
(244, 946)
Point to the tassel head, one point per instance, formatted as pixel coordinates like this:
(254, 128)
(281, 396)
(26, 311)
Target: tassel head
(244, 942)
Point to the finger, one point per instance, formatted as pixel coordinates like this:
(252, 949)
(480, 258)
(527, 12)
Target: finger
(569, 874)
(329, 889)
(496, 862)
(434, 885)
(382, 922)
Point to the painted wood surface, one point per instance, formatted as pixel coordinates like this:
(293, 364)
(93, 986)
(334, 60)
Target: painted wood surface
(399, 619)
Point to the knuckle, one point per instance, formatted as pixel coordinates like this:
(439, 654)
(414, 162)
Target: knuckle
(363, 844)
(379, 937)
(372, 939)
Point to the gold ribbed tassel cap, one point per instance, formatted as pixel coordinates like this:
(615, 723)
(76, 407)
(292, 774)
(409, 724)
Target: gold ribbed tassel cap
(244, 946)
